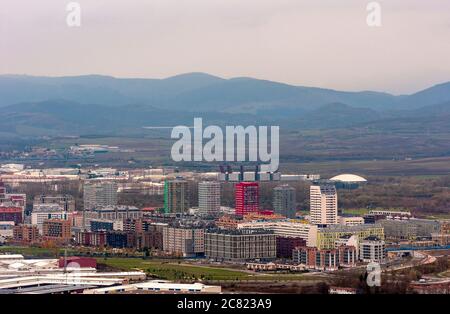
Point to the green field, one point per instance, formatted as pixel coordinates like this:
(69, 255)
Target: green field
(364, 211)
(172, 270)
(444, 274)
(28, 251)
(35, 251)
(164, 269)
(438, 216)
(356, 211)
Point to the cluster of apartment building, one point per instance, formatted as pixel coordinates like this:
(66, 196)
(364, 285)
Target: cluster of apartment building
(322, 240)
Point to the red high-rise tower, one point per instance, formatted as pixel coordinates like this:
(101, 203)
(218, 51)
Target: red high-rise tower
(246, 198)
(2, 190)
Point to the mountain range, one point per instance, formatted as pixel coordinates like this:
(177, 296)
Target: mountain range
(94, 104)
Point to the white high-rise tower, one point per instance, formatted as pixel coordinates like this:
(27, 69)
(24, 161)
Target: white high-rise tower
(323, 204)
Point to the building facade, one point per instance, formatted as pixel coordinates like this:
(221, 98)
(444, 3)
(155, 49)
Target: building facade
(118, 212)
(327, 237)
(372, 249)
(106, 225)
(184, 241)
(293, 228)
(11, 199)
(7, 229)
(25, 234)
(120, 239)
(99, 194)
(152, 239)
(38, 218)
(323, 204)
(57, 230)
(14, 214)
(284, 201)
(351, 221)
(286, 245)
(66, 201)
(209, 198)
(240, 245)
(96, 239)
(176, 196)
(326, 259)
(409, 229)
(246, 198)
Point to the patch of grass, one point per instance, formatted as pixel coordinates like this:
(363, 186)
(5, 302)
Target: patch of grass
(356, 211)
(438, 216)
(444, 274)
(35, 251)
(171, 270)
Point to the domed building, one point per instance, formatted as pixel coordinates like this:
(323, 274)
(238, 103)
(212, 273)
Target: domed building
(348, 181)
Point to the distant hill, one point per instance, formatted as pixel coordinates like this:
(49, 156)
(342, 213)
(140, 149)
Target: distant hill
(337, 115)
(252, 95)
(101, 104)
(97, 89)
(437, 94)
(70, 118)
(62, 117)
(199, 91)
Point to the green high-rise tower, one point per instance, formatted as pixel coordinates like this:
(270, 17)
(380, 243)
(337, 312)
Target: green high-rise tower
(175, 196)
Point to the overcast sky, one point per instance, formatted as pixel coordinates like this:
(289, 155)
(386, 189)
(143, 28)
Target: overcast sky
(324, 43)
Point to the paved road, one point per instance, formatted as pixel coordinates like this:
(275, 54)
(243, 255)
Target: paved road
(425, 259)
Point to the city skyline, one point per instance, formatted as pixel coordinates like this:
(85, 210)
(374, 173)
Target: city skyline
(235, 149)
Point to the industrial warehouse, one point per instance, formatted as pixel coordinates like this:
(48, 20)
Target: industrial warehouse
(79, 275)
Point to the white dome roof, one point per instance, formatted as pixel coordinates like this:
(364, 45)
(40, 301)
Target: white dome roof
(348, 178)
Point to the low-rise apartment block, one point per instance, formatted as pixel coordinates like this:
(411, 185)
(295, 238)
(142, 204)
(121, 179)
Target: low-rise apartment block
(184, 240)
(326, 259)
(26, 234)
(119, 212)
(14, 214)
(293, 228)
(96, 239)
(285, 246)
(240, 245)
(351, 221)
(372, 249)
(409, 229)
(66, 201)
(106, 225)
(57, 230)
(327, 237)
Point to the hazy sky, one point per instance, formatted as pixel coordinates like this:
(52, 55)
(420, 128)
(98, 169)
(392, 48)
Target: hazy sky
(324, 43)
